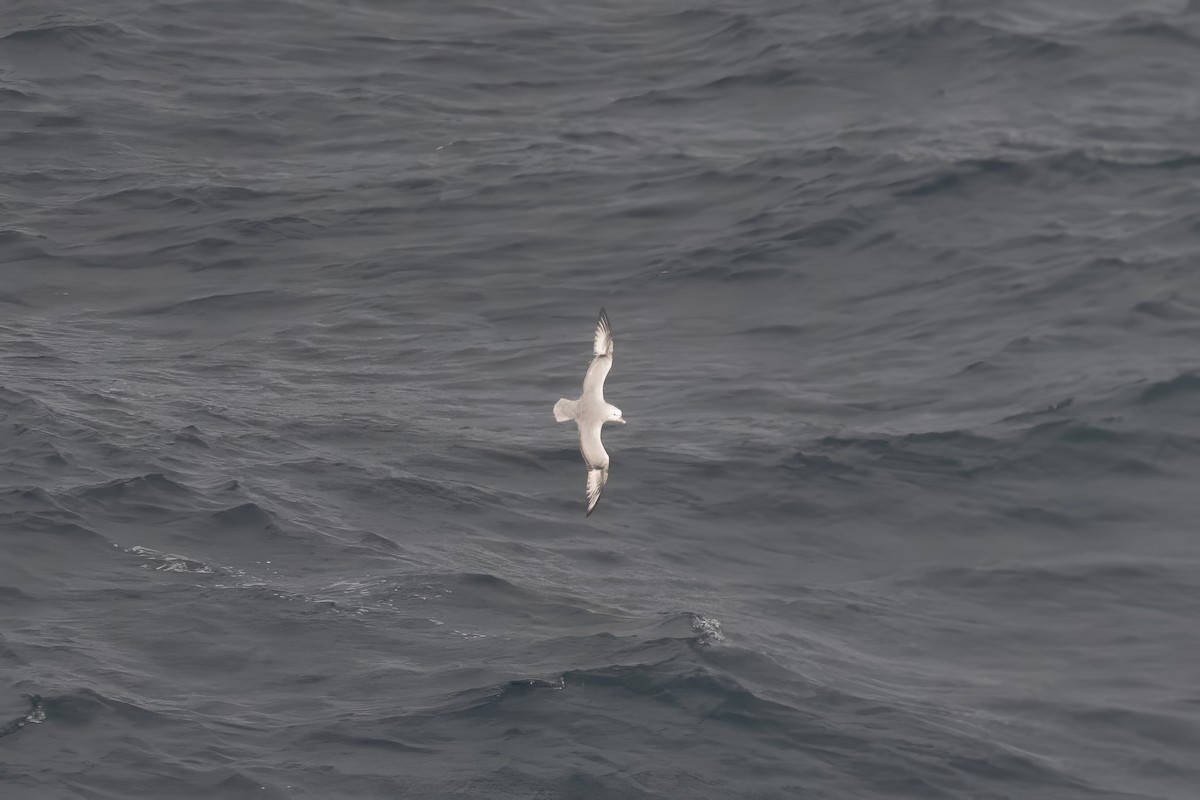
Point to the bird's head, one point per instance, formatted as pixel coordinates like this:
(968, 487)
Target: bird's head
(615, 415)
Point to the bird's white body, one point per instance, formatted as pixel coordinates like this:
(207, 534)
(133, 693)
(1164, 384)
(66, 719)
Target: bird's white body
(591, 411)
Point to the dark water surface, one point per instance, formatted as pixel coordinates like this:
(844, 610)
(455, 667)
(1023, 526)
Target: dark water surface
(906, 306)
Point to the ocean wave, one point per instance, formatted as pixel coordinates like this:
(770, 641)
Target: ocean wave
(954, 175)
(1183, 386)
(453, 593)
(20, 245)
(246, 517)
(70, 36)
(192, 197)
(152, 489)
(11, 595)
(1149, 582)
(1159, 28)
(221, 303)
(1168, 307)
(14, 97)
(712, 26)
(39, 530)
(344, 735)
(916, 36)
(1077, 446)
(457, 493)
(84, 706)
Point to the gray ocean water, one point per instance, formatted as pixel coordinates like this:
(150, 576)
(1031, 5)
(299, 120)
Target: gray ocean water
(906, 305)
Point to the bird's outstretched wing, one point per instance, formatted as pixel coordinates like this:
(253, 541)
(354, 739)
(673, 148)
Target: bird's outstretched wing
(602, 357)
(603, 346)
(596, 458)
(595, 484)
(590, 444)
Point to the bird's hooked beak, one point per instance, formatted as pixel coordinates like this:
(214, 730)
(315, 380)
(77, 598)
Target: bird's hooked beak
(621, 420)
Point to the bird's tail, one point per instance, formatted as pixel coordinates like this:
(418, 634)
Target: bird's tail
(564, 410)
